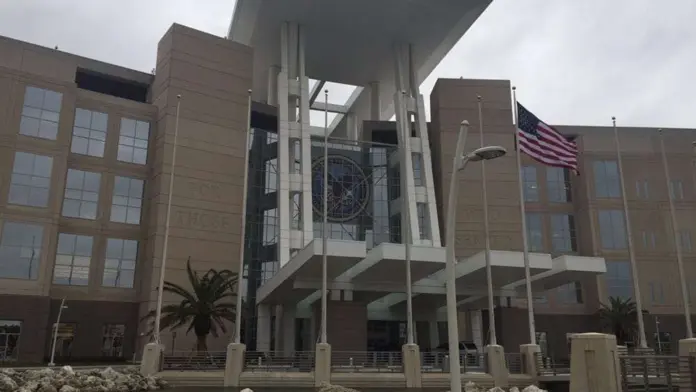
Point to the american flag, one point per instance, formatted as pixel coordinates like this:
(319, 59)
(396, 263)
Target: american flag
(543, 143)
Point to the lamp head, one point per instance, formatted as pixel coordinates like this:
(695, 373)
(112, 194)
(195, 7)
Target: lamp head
(486, 153)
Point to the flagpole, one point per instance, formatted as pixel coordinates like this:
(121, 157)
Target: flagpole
(486, 231)
(631, 253)
(325, 223)
(160, 286)
(523, 219)
(240, 266)
(677, 240)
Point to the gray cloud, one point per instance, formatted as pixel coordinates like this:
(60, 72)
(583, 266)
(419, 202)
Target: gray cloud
(574, 62)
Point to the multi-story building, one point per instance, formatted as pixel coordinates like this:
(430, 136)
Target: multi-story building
(86, 152)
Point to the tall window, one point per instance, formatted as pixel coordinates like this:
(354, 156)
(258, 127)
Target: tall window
(612, 229)
(417, 162)
(119, 266)
(112, 340)
(563, 233)
(40, 113)
(649, 239)
(10, 332)
(132, 142)
(89, 133)
(657, 293)
(642, 189)
(529, 182)
(676, 190)
(31, 179)
(558, 182)
(81, 194)
(535, 232)
(606, 179)
(618, 279)
(271, 175)
(127, 200)
(422, 220)
(570, 293)
(685, 240)
(20, 250)
(73, 257)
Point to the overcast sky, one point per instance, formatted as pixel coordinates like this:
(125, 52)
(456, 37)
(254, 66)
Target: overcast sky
(573, 61)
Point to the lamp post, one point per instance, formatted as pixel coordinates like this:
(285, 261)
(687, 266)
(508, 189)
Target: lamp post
(459, 162)
(55, 332)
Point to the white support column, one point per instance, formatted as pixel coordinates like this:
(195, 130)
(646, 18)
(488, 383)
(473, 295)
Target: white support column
(263, 328)
(305, 157)
(375, 104)
(352, 130)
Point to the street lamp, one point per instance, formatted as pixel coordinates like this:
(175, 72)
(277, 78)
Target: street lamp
(459, 162)
(55, 331)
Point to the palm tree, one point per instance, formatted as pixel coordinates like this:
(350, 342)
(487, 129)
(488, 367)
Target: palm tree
(620, 316)
(202, 308)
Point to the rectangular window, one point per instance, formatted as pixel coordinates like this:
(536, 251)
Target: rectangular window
(40, 113)
(685, 240)
(81, 194)
(563, 233)
(20, 250)
(270, 227)
(676, 190)
(612, 229)
(649, 239)
(89, 133)
(618, 279)
(133, 140)
(422, 220)
(417, 162)
(127, 200)
(119, 266)
(271, 175)
(73, 257)
(642, 189)
(529, 181)
(31, 179)
(10, 332)
(535, 232)
(606, 179)
(112, 340)
(558, 182)
(570, 293)
(657, 293)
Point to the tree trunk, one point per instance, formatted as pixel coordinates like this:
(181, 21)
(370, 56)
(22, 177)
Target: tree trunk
(202, 344)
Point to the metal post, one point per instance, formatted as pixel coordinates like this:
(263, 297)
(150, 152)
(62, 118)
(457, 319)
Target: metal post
(486, 231)
(160, 286)
(629, 236)
(325, 223)
(55, 333)
(242, 250)
(451, 265)
(523, 219)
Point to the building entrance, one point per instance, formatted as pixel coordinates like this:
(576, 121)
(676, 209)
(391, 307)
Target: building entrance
(385, 335)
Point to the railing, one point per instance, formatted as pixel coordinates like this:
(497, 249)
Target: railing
(192, 360)
(656, 373)
(513, 361)
(550, 366)
(438, 362)
(301, 362)
(366, 362)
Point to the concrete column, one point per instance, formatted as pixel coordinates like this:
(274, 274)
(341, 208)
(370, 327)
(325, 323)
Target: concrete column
(150, 363)
(234, 366)
(530, 357)
(594, 363)
(375, 105)
(263, 328)
(412, 365)
(288, 329)
(322, 364)
(495, 360)
(434, 333)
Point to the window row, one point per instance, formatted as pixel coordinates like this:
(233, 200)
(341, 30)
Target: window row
(563, 237)
(613, 235)
(41, 115)
(31, 181)
(607, 183)
(20, 257)
(557, 184)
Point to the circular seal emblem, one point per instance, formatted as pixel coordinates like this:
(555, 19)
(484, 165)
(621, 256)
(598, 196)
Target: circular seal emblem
(348, 188)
